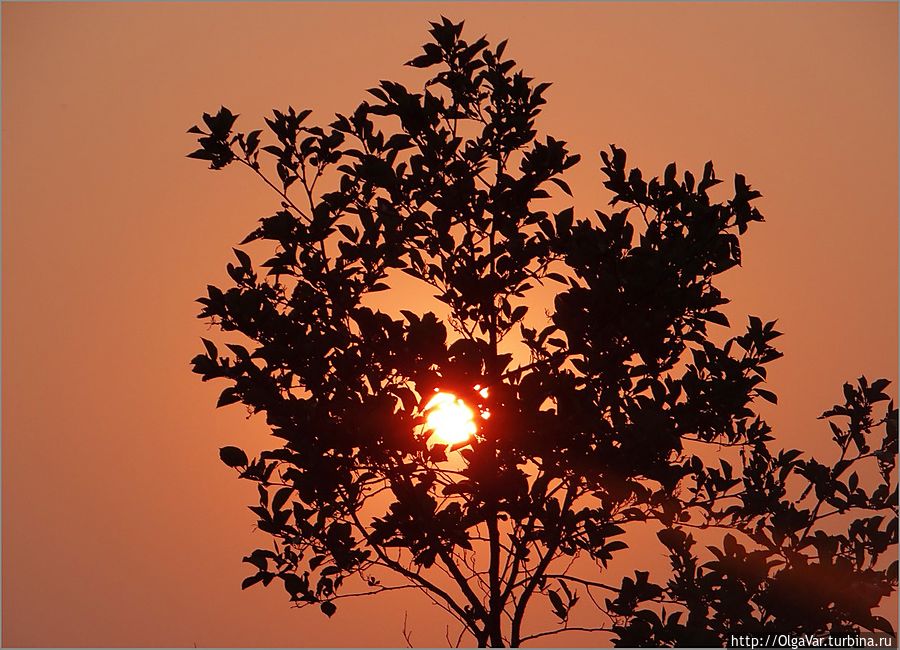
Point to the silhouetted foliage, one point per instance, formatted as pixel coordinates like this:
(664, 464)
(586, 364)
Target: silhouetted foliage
(628, 413)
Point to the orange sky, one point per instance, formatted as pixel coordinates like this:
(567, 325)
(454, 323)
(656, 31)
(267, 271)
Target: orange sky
(120, 526)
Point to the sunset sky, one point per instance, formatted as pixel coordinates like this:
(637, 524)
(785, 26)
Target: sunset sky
(120, 526)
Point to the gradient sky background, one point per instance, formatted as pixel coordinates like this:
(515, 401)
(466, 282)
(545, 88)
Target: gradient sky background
(120, 525)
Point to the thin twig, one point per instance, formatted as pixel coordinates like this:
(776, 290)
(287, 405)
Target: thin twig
(531, 637)
(407, 635)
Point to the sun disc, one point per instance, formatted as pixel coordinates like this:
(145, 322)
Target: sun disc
(449, 419)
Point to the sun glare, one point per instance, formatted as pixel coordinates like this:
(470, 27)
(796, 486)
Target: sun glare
(449, 419)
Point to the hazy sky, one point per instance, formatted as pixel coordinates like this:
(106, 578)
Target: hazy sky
(120, 525)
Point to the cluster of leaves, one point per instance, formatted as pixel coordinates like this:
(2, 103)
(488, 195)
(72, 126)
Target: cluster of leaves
(795, 573)
(605, 426)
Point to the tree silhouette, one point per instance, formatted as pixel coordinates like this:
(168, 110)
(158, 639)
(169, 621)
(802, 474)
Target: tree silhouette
(627, 414)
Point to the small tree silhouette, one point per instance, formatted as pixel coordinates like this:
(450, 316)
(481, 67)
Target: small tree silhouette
(627, 413)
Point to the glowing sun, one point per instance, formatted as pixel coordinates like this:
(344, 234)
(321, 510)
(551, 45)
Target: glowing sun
(449, 419)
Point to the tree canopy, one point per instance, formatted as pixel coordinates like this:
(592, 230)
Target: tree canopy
(634, 405)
